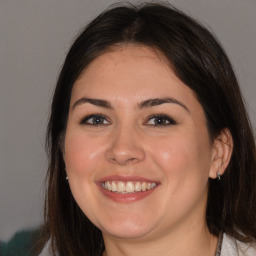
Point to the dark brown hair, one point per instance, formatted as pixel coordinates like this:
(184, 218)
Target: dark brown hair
(200, 62)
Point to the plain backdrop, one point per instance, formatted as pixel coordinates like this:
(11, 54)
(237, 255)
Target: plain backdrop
(35, 35)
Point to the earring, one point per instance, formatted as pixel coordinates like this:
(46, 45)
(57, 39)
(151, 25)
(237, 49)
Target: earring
(66, 178)
(218, 175)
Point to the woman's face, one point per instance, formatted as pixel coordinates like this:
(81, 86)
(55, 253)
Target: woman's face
(137, 149)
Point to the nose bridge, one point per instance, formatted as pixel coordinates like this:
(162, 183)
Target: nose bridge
(125, 147)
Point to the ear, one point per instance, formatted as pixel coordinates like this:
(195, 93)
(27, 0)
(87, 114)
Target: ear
(221, 153)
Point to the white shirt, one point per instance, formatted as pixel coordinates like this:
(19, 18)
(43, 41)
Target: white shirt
(233, 247)
(230, 247)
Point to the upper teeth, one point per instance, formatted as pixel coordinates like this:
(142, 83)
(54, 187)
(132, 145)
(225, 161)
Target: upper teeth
(127, 187)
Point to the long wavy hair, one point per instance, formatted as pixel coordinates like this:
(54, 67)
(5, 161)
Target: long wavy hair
(199, 61)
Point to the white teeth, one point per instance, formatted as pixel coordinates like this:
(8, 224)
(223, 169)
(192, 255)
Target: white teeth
(127, 187)
(114, 187)
(144, 186)
(138, 186)
(108, 185)
(120, 186)
(153, 185)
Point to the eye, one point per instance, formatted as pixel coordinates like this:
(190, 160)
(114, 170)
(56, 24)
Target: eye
(160, 120)
(95, 119)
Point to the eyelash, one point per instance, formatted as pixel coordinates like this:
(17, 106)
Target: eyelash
(163, 117)
(101, 117)
(165, 120)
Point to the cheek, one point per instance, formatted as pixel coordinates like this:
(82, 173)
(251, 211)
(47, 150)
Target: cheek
(82, 153)
(82, 159)
(183, 157)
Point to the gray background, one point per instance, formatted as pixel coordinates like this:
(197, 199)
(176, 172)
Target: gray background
(34, 38)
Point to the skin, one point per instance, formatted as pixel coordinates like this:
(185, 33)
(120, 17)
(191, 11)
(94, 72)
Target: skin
(178, 155)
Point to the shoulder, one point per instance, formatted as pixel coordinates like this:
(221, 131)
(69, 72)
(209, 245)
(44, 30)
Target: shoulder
(230, 247)
(233, 247)
(47, 250)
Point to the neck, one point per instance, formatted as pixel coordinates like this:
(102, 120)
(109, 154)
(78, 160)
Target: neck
(197, 242)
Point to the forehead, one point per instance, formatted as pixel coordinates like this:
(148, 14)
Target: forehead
(126, 64)
(124, 55)
(131, 73)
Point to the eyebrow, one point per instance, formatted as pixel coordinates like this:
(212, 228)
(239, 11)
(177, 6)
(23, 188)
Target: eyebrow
(159, 101)
(144, 104)
(95, 102)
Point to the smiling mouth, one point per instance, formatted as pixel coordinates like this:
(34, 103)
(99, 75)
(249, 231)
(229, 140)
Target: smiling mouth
(121, 187)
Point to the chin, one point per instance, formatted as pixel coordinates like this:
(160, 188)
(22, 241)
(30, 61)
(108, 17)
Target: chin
(126, 232)
(124, 222)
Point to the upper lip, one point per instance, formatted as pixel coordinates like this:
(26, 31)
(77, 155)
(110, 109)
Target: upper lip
(126, 179)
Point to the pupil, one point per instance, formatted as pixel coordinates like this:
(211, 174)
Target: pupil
(97, 120)
(159, 121)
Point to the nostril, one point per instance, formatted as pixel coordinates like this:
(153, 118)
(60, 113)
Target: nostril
(123, 150)
(123, 161)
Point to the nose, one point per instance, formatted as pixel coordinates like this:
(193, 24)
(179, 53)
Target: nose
(125, 147)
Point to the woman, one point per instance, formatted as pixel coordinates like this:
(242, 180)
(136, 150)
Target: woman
(151, 151)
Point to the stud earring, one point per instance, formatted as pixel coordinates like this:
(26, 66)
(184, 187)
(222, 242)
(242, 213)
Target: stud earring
(218, 175)
(66, 178)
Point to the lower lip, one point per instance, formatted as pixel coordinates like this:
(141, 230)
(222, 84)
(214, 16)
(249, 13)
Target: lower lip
(126, 198)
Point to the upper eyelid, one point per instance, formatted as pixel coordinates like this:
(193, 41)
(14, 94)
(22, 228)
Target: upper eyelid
(169, 118)
(158, 115)
(87, 117)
